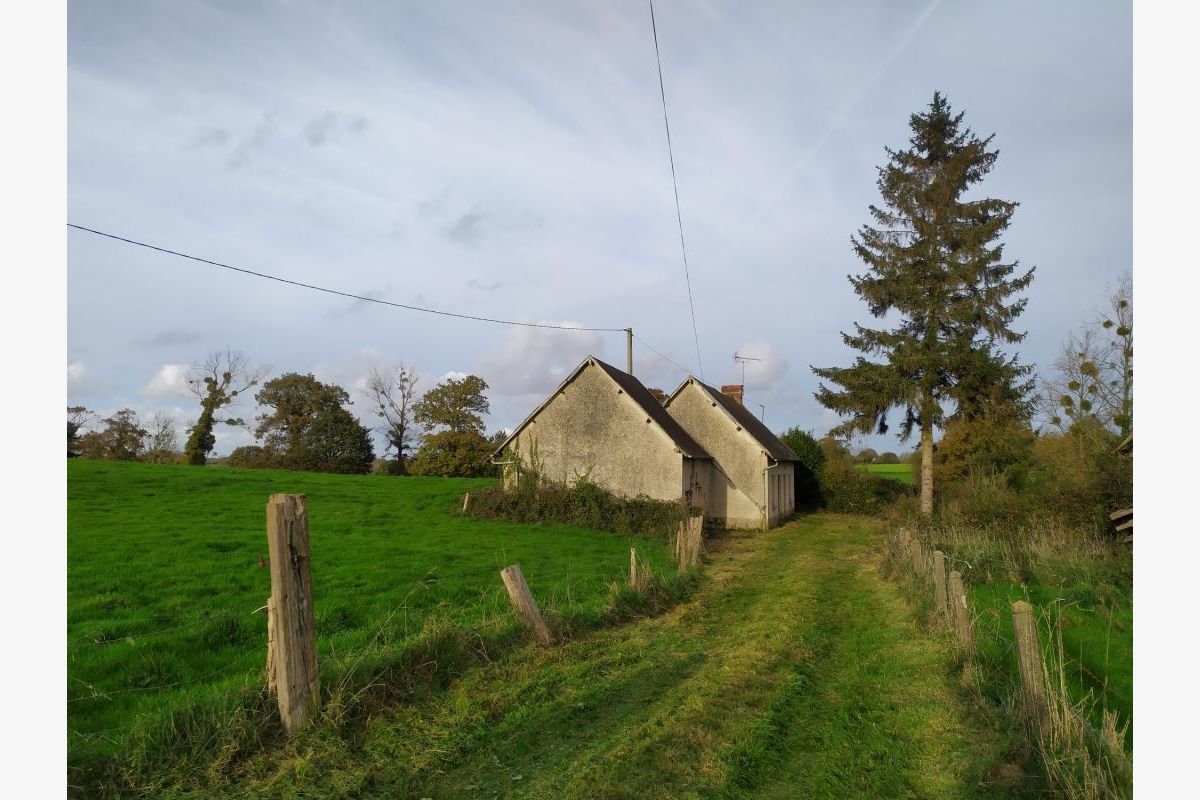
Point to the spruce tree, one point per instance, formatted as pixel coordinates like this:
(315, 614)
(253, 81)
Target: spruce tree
(935, 264)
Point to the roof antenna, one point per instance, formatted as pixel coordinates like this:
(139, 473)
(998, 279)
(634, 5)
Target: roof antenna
(740, 359)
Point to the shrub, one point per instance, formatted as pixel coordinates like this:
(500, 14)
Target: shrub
(252, 456)
(848, 490)
(583, 504)
(808, 450)
(388, 466)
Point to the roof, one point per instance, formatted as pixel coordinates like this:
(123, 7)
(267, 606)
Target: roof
(774, 447)
(636, 392)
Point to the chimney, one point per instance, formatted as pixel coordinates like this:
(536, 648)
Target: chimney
(734, 390)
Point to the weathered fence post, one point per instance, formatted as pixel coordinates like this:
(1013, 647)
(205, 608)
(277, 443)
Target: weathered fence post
(961, 612)
(1029, 660)
(939, 581)
(292, 641)
(466, 501)
(271, 656)
(522, 601)
(635, 580)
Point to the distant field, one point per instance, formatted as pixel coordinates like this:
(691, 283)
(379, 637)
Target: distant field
(165, 588)
(897, 472)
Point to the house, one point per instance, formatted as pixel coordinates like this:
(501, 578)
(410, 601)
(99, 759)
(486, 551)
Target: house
(699, 445)
(603, 424)
(753, 483)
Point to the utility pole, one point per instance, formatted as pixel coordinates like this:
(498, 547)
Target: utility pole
(629, 350)
(762, 414)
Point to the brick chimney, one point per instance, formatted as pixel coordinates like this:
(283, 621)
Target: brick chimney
(734, 390)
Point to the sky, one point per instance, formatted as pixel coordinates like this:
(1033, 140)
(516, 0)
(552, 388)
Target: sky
(509, 160)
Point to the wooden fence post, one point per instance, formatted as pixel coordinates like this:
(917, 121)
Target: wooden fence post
(635, 578)
(292, 648)
(961, 612)
(466, 501)
(939, 581)
(271, 656)
(522, 601)
(1029, 659)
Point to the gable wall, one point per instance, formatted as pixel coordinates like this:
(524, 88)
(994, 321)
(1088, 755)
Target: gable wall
(591, 426)
(739, 491)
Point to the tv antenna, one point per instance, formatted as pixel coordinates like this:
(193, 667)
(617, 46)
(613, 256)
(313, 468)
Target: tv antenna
(740, 359)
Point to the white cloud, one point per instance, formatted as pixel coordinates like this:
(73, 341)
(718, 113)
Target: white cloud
(762, 375)
(170, 381)
(76, 374)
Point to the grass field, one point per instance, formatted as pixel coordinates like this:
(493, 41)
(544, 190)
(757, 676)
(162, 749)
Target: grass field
(897, 472)
(795, 670)
(165, 588)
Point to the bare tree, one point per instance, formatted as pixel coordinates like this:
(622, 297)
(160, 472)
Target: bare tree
(393, 396)
(77, 419)
(1094, 372)
(162, 440)
(217, 383)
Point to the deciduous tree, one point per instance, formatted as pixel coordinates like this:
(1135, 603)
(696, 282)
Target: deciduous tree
(394, 396)
(934, 263)
(161, 439)
(217, 383)
(1093, 374)
(121, 439)
(77, 419)
(455, 445)
(305, 426)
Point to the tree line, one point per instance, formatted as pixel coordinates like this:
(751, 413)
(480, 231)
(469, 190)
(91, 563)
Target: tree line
(306, 424)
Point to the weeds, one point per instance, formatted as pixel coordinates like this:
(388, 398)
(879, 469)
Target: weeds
(1080, 743)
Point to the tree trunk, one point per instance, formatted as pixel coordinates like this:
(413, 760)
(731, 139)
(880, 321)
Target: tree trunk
(927, 469)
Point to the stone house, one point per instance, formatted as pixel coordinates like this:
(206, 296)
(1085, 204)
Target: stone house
(699, 445)
(753, 484)
(603, 424)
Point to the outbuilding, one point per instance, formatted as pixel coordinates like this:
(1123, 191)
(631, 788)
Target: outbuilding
(753, 480)
(602, 424)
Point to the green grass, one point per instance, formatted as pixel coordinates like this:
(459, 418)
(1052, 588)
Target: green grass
(896, 472)
(795, 670)
(165, 590)
(1097, 643)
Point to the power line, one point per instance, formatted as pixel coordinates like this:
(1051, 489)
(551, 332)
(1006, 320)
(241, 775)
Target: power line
(675, 184)
(663, 356)
(338, 291)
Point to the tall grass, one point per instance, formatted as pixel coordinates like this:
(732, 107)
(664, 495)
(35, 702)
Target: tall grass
(1081, 583)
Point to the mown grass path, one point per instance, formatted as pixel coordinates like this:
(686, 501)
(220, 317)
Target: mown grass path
(795, 671)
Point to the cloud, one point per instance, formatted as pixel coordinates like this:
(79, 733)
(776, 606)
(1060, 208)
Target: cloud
(76, 375)
(356, 307)
(210, 137)
(529, 363)
(485, 287)
(173, 337)
(468, 230)
(170, 381)
(332, 126)
(762, 375)
(255, 142)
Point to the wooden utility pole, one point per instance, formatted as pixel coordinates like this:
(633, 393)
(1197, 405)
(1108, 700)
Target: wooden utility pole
(292, 641)
(522, 601)
(629, 350)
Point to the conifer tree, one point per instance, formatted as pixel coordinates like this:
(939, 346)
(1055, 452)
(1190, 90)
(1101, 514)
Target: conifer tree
(934, 263)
